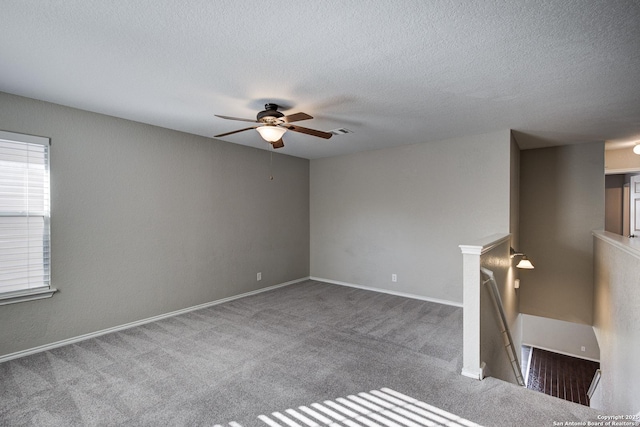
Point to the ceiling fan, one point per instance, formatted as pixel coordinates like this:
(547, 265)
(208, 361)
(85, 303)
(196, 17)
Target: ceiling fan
(273, 124)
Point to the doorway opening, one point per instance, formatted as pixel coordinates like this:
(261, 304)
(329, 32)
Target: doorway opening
(558, 375)
(621, 199)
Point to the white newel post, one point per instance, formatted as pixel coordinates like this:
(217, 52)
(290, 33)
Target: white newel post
(471, 365)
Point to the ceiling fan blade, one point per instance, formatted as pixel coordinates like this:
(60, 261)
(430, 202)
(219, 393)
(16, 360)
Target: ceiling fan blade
(236, 118)
(278, 144)
(296, 117)
(313, 132)
(234, 131)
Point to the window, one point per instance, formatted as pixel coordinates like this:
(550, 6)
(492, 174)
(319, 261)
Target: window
(24, 218)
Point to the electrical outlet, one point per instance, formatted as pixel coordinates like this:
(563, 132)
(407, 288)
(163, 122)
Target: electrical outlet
(259, 277)
(583, 348)
(394, 277)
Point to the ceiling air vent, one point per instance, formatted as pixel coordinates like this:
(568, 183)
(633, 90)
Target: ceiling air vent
(341, 131)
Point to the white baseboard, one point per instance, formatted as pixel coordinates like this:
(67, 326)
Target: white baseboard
(90, 335)
(561, 352)
(387, 291)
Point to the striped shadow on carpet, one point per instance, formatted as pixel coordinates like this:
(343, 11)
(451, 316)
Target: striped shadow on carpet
(378, 408)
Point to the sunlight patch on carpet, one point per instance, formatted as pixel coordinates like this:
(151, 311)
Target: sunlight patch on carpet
(378, 408)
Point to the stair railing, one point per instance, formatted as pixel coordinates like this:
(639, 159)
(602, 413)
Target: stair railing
(512, 354)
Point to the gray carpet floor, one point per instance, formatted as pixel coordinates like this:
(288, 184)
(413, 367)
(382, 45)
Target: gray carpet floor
(290, 347)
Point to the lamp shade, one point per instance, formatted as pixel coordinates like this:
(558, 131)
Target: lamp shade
(525, 263)
(636, 149)
(271, 133)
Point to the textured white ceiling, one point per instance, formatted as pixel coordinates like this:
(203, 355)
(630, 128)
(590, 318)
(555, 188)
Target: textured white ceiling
(557, 71)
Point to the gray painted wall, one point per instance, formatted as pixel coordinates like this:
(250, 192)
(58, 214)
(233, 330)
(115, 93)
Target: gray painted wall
(514, 205)
(613, 198)
(405, 210)
(617, 323)
(561, 202)
(560, 336)
(514, 228)
(146, 221)
(622, 160)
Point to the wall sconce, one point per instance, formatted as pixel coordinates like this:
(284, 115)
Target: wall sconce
(524, 262)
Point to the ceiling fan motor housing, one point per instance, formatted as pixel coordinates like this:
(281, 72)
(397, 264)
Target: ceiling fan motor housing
(271, 112)
(274, 124)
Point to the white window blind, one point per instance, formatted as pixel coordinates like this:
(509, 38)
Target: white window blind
(24, 215)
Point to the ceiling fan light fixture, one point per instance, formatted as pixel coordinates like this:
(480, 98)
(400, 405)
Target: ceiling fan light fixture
(271, 133)
(636, 149)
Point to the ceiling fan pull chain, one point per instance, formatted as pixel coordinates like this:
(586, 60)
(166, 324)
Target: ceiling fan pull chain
(270, 163)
